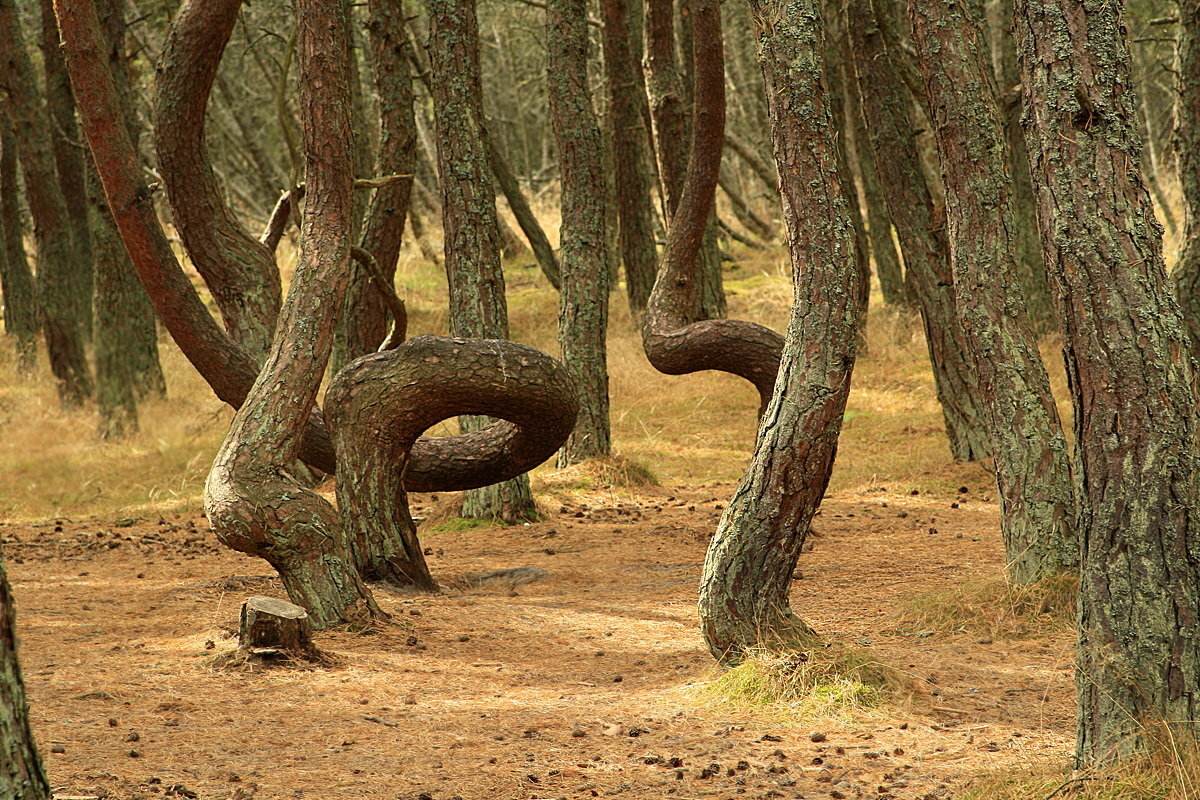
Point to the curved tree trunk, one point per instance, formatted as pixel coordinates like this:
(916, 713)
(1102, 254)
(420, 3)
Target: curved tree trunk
(478, 308)
(21, 773)
(239, 270)
(252, 501)
(583, 301)
(21, 315)
(57, 272)
(1032, 467)
(748, 570)
(629, 146)
(1132, 383)
(920, 227)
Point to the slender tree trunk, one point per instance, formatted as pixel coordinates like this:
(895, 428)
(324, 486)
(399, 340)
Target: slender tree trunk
(629, 144)
(21, 773)
(1187, 141)
(1132, 383)
(478, 307)
(252, 501)
(21, 314)
(69, 163)
(1032, 467)
(543, 251)
(57, 272)
(747, 573)
(583, 302)
(920, 227)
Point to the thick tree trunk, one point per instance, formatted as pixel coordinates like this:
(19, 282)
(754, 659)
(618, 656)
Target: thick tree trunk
(748, 570)
(478, 308)
(364, 321)
(1032, 464)
(629, 147)
(920, 227)
(57, 272)
(239, 270)
(253, 502)
(21, 773)
(21, 315)
(1186, 275)
(1131, 378)
(69, 160)
(583, 301)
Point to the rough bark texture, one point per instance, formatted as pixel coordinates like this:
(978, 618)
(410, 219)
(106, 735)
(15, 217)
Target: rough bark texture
(126, 342)
(629, 154)
(253, 502)
(1186, 275)
(69, 159)
(478, 308)
(920, 226)
(276, 626)
(21, 315)
(365, 320)
(21, 773)
(1032, 463)
(674, 344)
(1131, 378)
(748, 570)
(381, 403)
(583, 301)
(57, 272)
(239, 270)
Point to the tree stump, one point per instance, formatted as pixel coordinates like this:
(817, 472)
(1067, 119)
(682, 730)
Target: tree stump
(276, 629)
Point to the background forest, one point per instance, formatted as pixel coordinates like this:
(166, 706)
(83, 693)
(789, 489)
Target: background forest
(256, 258)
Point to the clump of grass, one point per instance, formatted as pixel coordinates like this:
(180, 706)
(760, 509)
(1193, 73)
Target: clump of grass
(597, 473)
(461, 524)
(823, 680)
(996, 608)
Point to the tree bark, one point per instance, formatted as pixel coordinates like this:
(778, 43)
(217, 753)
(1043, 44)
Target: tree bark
(478, 307)
(747, 573)
(1032, 468)
(239, 270)
(57, 272)
(21, 774)
(583, 301)
(920, 227)
(253, 503)
(21, 313)
(629, 146)
(1131, 378)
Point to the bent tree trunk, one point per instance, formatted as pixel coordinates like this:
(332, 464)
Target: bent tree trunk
(748, 569)
(920, 226)
(478, 307)
(1032, 468)
(1132, 384)
(254, 504)
(674, 344)
(21, 773)
(583, 301)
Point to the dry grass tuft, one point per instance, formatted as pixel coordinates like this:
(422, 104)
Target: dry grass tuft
(597, 473)
(996, 608)
(827, 679)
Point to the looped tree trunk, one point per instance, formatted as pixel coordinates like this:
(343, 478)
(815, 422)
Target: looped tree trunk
(380, 404)
(672, 345)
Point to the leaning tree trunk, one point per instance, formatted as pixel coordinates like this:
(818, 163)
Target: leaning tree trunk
(1032, 468)
(478, 308)
(510, 187)
(253, 502)
(239, 270)
(1132, 384)
(748, 570)
(583, 301)
(920, 227)
(21, 773)
(629, 140)
(16, 279)
(57, 271)
(1187, 142)
(673, 342)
